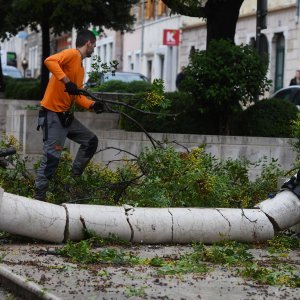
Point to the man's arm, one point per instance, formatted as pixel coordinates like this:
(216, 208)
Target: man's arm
(55, 63)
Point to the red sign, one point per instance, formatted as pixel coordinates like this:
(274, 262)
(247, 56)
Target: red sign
(171, 37)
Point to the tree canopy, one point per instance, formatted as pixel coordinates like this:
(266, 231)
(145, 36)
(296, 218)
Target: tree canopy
(221, 15)
(57, 16)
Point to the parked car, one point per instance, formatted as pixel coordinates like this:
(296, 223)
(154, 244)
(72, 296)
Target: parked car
(11, 72)
(122, 76)
(291, 94)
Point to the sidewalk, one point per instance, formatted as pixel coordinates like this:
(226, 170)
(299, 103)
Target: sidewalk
(35, 272)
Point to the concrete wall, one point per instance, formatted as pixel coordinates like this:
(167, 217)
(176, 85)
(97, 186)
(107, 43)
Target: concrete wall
(222, 147)
(22, 124)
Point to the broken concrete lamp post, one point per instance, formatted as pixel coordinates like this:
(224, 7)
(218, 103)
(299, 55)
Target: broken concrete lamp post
(59, 223)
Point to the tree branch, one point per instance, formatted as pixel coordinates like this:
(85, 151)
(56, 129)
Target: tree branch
(120, 150)
(88, 94)
(153, 141)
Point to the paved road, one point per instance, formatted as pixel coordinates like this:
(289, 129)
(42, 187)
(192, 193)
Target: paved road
(60, 279)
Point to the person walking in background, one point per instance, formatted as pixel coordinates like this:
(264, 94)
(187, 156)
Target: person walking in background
(180, 76)
(296, 79)
(56, 116)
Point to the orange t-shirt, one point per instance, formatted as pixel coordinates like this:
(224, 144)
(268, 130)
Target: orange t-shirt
(65, 63)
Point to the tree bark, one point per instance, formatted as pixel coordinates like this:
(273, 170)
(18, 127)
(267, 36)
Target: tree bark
(222, 17)
(45, 53)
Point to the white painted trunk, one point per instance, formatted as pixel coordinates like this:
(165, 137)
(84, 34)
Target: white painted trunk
(103, 220)
(284, 209)
(55, 223)
(32, 218)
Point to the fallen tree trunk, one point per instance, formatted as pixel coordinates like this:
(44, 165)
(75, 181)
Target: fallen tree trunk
(32, 218)
(59, 223)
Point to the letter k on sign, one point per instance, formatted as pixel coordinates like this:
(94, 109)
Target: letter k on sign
(171, 37)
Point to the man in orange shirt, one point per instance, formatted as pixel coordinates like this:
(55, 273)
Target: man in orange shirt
(56, 114)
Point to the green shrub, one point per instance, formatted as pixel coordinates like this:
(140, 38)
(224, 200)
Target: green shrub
(189, 118)
(123, 87)
(295, 124)
(22, 88)
(222, 77)
(267, 118)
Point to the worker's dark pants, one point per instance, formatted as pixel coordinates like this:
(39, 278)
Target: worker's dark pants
(54, 136)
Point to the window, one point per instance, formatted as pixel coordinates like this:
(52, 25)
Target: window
(162, 64)
(130, 63)
(161, 8)
(33, 61)
(150, 5)
(252, 42)
(137, 62)
(149, 69)
(279, 61)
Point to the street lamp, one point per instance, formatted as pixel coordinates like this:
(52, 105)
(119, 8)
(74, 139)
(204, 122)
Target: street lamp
(24, 65)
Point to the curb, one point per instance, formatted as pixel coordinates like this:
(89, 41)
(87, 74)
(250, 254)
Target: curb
(23, 287)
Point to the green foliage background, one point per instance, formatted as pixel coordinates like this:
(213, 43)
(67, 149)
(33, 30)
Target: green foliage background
(223, 78)
(22, 88)
(267, 118)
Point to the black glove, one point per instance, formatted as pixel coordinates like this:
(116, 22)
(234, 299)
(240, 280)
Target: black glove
(71, 88)
(98, 107)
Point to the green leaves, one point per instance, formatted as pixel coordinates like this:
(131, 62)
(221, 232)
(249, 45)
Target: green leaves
(84, 253)
(280, 274)
(98, 66)
(282, 243)
(155, 99)
(197, 179)
(227, 254)
(162, 177)
(225, 76)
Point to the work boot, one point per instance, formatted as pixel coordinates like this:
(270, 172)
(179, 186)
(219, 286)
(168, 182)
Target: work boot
(40, 194)
(293, 184)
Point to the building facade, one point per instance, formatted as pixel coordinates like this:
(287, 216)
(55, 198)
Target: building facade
(144, 51)
(281, 38)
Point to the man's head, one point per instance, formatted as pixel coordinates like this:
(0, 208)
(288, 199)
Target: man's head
(87, 40)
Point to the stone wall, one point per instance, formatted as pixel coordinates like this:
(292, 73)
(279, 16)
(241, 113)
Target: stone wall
(22, 124)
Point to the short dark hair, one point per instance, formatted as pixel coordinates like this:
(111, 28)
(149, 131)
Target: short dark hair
(84, 36)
